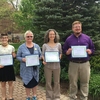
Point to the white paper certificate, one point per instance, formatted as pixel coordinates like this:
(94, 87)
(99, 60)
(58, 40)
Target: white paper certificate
(52, 56)
(79, 51)
(6, 60)
(32, 60)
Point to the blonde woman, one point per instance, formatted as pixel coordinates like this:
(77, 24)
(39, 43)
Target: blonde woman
(29, 75)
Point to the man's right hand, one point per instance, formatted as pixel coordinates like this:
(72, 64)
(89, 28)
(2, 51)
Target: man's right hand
(68, 52)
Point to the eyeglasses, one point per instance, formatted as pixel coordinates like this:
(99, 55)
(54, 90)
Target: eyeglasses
(29, 36)
(77, 27)
(4, 37)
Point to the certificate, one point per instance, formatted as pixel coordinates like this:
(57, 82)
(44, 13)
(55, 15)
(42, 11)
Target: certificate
(32, 60)
(79, 51)
(6, 60)
(52, 56)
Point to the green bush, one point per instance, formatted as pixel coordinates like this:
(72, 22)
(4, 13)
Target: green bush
(64, 68)
(94, 86)
(41, 74)
(95, 63)
(16, 67)
(64, 74)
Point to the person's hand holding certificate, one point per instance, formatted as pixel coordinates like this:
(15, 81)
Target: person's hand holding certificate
(52, 56)
(6, 60)
(32, 60)
(79, 51)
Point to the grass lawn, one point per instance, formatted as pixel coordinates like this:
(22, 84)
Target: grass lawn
(16, 45)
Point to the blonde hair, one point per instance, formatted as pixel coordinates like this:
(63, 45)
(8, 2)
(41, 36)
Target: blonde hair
(28, 31)
(46, 37)
(76, 22)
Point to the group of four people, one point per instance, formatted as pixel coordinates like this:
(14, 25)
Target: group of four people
(79, 67)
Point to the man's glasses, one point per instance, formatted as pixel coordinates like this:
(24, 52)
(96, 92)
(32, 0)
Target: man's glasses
(29, 36)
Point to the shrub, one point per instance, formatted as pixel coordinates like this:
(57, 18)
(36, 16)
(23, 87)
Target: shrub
(94, 86)
(64, 74)
(16, 67)
(95, 63)
(64, 68)
(41, 74)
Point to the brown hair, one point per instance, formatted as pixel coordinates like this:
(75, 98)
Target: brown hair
(76, 22)
(46, 37)
(4, 34)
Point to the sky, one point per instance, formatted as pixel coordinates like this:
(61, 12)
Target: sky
(15, 2)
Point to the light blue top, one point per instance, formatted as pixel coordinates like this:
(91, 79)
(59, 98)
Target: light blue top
(27, 73)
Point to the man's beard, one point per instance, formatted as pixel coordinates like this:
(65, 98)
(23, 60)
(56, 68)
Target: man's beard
(78, 33)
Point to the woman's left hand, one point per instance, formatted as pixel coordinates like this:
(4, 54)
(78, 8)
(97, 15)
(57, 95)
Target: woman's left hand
(13, 54)
(44, 62)
(60, 56)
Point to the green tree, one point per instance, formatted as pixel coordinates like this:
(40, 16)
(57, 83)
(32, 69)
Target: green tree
(5, 10)
(40, 15)
(59, 14)
(6, 22)
(24, 16)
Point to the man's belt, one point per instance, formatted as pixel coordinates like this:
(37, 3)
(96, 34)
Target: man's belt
(78, 61)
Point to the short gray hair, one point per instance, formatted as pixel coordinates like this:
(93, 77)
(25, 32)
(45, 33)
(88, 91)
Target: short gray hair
(28, 31)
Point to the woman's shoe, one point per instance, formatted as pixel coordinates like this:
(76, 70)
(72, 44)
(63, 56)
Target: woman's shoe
(28, 98)
(34, 98)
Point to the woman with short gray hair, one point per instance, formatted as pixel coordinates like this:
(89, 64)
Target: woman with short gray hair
(29, 74)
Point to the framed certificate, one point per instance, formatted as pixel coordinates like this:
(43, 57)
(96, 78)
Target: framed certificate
(52, 56)
(6, 60)
(79, 51)
(32, 60)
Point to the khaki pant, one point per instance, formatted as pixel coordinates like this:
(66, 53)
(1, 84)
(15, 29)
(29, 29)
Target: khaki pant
(79, 71)
(52, 93)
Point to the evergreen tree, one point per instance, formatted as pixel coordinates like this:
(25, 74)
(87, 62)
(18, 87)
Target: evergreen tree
(59, 14)
(41, 15)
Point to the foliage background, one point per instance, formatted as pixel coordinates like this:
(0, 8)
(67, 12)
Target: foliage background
(40, 15)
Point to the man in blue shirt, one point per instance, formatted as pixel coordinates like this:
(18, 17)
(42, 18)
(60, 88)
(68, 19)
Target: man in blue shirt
(79, 66)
